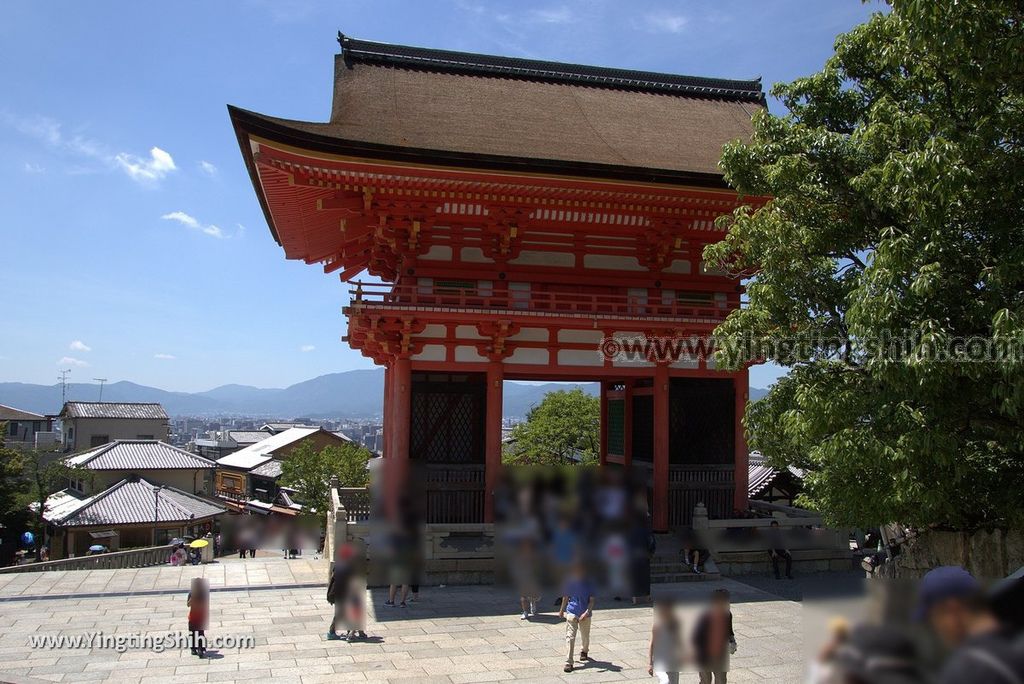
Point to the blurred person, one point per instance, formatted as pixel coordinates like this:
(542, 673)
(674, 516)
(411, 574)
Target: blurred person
(641, 547)
(577, 609)
(616, 556)
(822, 669)
(693, 551)
(198, 603)
(564, 549)
(778, 552)
(344, 593)
(713, 639)
(984, 650)
(524, 573)
(665, 653)
(406, 547)
(178, 556)
(876, 654)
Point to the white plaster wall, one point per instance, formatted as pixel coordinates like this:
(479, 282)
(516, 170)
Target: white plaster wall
(574, 357)
(527, 355)
(608, 261)
(468, 354)
(529, 257)
(431, 352)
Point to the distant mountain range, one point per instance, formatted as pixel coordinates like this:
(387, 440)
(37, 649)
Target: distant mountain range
(352, 394)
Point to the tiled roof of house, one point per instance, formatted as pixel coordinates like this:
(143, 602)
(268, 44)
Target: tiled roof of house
(110, 409)
(139, 454)
(133, 502)
(281, 427)
(760, 476)
(11, 413)
(271, 469)
(247, 437)
(261, 452)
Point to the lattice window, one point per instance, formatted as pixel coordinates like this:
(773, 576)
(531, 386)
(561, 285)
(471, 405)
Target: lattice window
(616, 426)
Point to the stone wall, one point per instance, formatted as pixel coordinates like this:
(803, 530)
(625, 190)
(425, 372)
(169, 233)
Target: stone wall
(985, 554)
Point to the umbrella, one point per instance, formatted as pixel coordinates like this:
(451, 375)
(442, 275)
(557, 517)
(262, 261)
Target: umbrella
(97, 547)
(199, 543)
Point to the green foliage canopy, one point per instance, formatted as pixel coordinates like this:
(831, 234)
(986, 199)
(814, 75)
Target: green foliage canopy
(310, 471)
(564, 425)
(897, 214)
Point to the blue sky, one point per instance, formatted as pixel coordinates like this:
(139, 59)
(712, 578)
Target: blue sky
(133, 247)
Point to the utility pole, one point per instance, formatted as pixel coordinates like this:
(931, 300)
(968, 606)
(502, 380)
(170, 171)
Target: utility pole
(101, 381)
(62, 375)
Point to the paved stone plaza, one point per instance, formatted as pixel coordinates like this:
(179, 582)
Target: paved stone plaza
(454, 634)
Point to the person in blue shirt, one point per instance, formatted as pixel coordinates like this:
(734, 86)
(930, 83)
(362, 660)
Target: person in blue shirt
(577, 609)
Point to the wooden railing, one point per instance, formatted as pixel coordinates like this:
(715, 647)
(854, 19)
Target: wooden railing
(132, 558)
(232, 494)
(532, 301)
(689, 485)
(356, 502)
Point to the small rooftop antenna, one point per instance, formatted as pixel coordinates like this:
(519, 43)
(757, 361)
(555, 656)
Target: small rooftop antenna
(62, 376)
(101, 381)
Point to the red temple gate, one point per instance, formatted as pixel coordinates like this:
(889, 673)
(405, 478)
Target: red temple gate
(518, 214)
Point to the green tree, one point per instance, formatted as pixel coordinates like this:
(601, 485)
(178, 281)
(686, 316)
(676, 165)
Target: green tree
(44, 474)
(896, 180)
(12, 493)
(310, 471)
(564, 425)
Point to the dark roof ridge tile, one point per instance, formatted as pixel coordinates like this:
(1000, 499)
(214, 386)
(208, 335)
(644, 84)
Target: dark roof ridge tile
(354, 50)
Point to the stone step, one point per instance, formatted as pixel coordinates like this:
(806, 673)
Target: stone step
(671, 578)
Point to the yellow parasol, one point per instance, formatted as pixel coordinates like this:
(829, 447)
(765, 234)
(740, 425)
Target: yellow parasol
(198, 544)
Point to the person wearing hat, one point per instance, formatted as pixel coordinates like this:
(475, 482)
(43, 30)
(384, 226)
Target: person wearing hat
(985, 651)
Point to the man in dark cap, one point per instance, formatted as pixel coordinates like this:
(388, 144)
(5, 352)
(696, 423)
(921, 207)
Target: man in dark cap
(985, 650)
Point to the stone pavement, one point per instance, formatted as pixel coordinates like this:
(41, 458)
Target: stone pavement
(453, 635)
(269, 570)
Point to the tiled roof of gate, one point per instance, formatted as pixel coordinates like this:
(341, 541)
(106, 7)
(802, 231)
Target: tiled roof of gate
(135, 501)
(110, 409)
(468, 63)
(504, 112)
(140, 454)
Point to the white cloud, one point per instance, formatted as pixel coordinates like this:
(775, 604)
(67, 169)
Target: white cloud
(192, 222)
(79, 345)
(165, 357)
(665, 22)
(208, 168)
(552, 15)
(34, 168)
(149, 170)
(307, 348)
(51, 133)
(71, 361)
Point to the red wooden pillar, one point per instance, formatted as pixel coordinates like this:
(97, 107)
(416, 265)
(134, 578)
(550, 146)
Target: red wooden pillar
(401, 413)
(387, 427)
(492, 439)
(627, 425)
(741, 474)
(400, 417)
(603, 449)
(661, 457)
